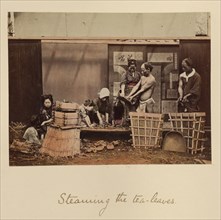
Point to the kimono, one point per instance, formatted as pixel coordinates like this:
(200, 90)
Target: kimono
(192, 85)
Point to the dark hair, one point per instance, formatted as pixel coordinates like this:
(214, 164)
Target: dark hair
(44, 97)
(148, 66)
(33, 121)
(188, 61)
(87, 102)
(132, 61)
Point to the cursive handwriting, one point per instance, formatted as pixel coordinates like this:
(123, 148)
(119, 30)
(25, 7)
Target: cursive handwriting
(69, 199)
(121, 197)
(154, 199)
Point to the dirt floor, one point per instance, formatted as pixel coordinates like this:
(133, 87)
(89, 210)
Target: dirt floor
(100, 149)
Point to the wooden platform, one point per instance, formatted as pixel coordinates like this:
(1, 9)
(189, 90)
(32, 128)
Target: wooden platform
(117, 130)
(95, 129)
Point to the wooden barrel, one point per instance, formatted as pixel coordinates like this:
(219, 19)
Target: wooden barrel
(61, 142)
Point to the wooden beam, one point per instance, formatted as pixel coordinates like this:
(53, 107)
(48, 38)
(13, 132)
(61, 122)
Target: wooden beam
(118, 130)
(119, 41)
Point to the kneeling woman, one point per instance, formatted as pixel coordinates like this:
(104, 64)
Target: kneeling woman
(101, 108)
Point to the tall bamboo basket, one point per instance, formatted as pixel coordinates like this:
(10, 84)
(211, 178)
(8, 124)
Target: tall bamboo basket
(191, 125)
(146, 129)
(60, 142)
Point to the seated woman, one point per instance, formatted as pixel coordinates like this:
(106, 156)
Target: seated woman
(45, 116)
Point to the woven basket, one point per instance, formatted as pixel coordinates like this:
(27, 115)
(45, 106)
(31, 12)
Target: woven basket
(146, 129)
(191, 125)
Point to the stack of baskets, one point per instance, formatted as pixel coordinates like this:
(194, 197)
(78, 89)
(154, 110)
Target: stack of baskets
(66, 114)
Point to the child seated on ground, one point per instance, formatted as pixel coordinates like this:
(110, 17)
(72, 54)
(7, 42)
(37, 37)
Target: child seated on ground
(31, 133)
(37, 127)
(84, 111)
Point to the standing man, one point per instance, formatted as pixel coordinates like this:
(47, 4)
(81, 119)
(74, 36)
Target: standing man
(189, 87)
(144, 89)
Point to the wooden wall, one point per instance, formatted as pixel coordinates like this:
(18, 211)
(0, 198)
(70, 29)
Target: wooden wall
(74, 72)
(25, 79)
(78, 71)
(111, 25)
(118, 55)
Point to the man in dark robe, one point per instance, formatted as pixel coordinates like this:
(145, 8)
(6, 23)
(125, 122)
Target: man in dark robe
(189, 87)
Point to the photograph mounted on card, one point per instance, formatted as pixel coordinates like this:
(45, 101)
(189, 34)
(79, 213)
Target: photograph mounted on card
(100, 105)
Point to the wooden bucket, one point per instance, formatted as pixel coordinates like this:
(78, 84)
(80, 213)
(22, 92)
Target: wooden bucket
(61, 142)
(191, 125)
(66, 118)
(146, 129)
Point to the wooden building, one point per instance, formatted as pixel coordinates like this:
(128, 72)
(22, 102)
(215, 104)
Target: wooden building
(73, 55)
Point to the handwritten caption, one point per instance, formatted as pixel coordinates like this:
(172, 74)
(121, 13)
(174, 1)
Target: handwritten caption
(155, 198)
